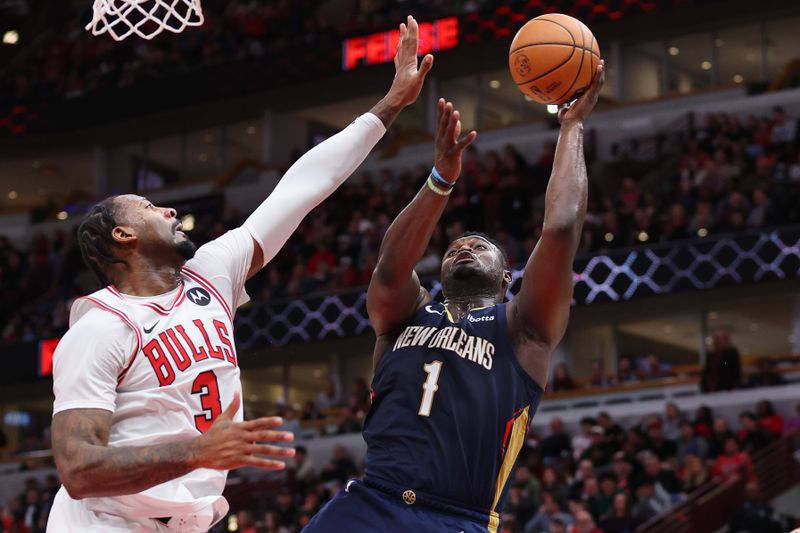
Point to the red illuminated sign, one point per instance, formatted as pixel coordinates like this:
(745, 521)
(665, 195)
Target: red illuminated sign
(46, 350)
(380, 47)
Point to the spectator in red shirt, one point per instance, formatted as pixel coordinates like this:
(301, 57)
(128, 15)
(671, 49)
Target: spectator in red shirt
(732, 461)
(703, 421)
(768, 419)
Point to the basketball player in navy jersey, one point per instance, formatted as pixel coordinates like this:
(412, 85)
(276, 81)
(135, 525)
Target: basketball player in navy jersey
(457, 383)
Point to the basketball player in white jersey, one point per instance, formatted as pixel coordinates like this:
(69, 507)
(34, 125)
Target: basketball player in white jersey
(147, 415)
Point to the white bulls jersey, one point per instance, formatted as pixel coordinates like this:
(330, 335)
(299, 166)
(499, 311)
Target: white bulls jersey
(166, 366)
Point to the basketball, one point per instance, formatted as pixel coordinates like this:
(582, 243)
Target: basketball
(553, 57)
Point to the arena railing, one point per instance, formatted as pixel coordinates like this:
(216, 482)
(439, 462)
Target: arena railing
(707, 509)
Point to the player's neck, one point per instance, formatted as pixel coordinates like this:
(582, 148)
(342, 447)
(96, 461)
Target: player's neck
(461, 305)
(147, 279)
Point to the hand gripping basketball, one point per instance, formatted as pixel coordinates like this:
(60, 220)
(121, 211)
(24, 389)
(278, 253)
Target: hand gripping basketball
(228, 444)
(579, 109)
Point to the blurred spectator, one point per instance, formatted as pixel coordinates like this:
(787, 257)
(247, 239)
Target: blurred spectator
(620, 520)
(330, 397)
(672, 421)
(597, 377)
(690, 443)
(703, 421)
(722, 432)
(649, 502)
(561, 380)
(626, 370)
(695, 473)
(723, 366)
(751, 436)
(583, 440)
(768, 419)
(732, 461)
(657, 443)
(754, 515)
(548, 511)
(584, 523)
(341, 468)
(653, 368)
(557, 444)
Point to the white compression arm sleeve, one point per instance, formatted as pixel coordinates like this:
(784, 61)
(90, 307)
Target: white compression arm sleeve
(310, 180)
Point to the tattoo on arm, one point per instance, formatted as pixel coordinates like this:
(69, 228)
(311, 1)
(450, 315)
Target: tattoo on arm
(89, 467)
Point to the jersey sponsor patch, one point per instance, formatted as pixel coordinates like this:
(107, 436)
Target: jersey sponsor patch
(199, 296)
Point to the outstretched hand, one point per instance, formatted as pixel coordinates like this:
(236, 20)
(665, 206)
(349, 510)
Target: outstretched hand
(228, 444)
(449, 146)
(578, 110)
(409, 76)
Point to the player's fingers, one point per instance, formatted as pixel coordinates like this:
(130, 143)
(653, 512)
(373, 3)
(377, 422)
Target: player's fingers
(272, 451)
(451, 127)
(258, 424)
(466, 140)
(232, 409)
(599, 77)
(269, 436)
(425, 67)
(413, 27)
(457, 132)
(266, 464)
(444, 120)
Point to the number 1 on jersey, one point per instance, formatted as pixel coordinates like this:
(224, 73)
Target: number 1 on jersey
(430, 387)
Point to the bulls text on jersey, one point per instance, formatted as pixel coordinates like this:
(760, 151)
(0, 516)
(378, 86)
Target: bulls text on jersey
(173, 349)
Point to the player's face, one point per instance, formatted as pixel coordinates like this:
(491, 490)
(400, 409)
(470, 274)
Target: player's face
(472, 261)
(157, 229)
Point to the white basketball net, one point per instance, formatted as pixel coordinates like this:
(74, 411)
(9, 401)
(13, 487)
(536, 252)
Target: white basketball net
(145, 18)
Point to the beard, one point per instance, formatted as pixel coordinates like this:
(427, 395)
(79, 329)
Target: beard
(469, 278)
(464, 272)
(186, 249)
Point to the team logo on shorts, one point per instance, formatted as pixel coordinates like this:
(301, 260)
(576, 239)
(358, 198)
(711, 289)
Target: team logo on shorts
(198, 296)
(409, 497)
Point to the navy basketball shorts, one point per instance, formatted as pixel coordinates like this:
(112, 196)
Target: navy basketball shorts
(365, 509)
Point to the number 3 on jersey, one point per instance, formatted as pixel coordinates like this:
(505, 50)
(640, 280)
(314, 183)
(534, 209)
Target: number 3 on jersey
(205, 384)
(430, 387)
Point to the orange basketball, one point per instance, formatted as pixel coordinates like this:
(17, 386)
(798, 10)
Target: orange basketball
(553, 57)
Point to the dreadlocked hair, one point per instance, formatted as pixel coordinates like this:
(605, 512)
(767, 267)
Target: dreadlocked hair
(489, 239)
(96, 241)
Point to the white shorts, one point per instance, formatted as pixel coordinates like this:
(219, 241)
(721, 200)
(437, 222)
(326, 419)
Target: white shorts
(72, 516)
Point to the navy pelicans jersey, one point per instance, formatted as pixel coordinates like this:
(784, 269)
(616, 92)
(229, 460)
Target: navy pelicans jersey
(451, 406)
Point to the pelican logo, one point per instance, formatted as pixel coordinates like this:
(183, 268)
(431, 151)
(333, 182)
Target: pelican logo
(199, 296)
(409, 497)
(430, 309)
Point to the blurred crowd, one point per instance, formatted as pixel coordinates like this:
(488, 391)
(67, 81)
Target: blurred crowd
(602, 479)
(65, 61)
(730, 174)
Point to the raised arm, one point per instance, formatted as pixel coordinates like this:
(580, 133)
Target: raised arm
(322, 169)
(89, 467)
(394, 292)
(538, 315)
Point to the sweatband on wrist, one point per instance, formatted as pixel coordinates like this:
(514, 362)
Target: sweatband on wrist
(435, 188)
(439, 180)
